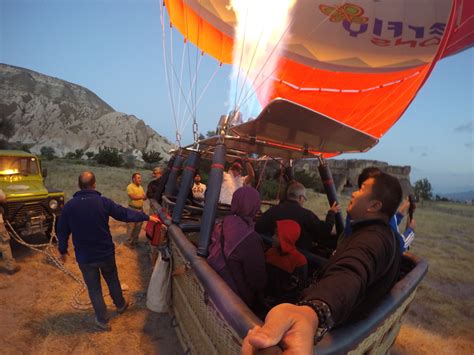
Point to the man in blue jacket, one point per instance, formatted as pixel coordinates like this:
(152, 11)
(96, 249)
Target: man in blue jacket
(86, 217)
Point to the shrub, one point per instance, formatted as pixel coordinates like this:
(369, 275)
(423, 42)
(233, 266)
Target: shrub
(109, 156)
(90, 155)
(79, 153)
(48, 153)
(309, 181)
(152, 157)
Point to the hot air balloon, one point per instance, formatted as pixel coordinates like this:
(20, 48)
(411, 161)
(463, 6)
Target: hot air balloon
(332, 77)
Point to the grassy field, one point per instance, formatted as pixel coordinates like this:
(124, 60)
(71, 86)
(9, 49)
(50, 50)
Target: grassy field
(440, 319)
(111, 181)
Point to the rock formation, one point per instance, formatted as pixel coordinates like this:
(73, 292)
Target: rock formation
(346, 172)
(51, 112)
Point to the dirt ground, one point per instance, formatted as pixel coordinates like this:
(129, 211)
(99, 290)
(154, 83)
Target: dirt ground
(36, 316)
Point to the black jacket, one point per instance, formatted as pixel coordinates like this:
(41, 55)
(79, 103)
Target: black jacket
(153, 189)
(312, 228)
(362, 270)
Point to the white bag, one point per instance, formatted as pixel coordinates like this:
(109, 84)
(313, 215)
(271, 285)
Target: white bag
(158, 298)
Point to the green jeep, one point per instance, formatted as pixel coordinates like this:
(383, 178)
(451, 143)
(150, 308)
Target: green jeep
(30, 205)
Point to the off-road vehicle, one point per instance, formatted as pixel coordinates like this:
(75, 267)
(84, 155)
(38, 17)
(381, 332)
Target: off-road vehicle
(29, 206)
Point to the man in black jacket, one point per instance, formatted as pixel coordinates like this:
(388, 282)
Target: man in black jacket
(362, 270)
(153, 187)
(312, 228)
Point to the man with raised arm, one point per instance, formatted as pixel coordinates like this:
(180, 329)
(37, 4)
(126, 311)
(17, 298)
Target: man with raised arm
(362, 270)
(233, 180)
(86, 217)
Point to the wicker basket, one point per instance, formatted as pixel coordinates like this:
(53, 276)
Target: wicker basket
(202, 329)
(211, 319)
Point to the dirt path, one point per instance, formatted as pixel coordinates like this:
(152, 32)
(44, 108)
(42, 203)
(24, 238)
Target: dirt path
(36, 315)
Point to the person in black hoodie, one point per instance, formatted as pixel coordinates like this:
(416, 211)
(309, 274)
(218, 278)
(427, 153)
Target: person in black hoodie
(362, 270)
(313, 230)
(86, 217)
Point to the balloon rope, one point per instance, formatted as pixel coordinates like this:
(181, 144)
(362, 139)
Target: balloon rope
(167, 76)
(203, 92)
(181, 70)
(251, 92)
(240, 60)
(249, 67)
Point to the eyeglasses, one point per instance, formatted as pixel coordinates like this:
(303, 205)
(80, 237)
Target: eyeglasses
(305, 198)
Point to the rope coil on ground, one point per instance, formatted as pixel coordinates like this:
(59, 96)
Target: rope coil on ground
(49, 252)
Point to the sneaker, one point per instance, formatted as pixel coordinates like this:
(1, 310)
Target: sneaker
(102, 326)
(13, 270)
(122, 309)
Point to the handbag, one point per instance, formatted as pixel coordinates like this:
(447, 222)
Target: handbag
(156, 232)
(158, 298)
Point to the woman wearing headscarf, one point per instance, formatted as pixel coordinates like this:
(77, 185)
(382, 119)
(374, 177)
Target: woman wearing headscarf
(236, 250)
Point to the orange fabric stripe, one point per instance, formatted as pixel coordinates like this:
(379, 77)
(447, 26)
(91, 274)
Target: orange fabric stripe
(200, 32)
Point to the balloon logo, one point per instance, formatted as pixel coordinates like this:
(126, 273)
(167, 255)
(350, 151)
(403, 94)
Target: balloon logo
(347, 12)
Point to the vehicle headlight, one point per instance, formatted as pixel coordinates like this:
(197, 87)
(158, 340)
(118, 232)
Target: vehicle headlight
(53, 204)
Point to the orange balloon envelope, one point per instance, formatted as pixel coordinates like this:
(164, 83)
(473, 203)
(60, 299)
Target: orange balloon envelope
(359, 62)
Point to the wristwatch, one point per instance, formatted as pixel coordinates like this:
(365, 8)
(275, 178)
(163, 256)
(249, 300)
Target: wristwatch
(323, 311)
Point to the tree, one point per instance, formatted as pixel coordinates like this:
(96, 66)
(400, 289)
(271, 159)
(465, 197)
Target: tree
(423, 190)
(79, 153)
(151, 157)
(210, 134)
(109, 156)
(90, 155)
(48, 153)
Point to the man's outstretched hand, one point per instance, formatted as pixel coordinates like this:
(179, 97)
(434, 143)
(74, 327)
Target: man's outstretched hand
(292, 327)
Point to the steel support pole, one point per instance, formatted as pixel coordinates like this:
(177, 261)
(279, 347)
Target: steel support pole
(212, 198)
(331, 193)
(186, 184)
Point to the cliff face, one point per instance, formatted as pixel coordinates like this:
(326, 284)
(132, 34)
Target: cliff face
(346, 172)
(51, 112)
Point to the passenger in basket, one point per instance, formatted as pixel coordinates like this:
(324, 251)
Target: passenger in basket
(232, 180)
(406, 238)
(312, 228)
(198, 189)
(287, 268)
(136, 196)
(360, 273)
(86, 217)
(236, 250)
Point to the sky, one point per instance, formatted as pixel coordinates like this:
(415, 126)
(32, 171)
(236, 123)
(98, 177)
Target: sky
(114, 48)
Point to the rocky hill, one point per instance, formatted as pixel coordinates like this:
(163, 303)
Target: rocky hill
(47, 111)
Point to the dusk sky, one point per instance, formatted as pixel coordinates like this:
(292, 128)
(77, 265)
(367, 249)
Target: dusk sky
(114, 48)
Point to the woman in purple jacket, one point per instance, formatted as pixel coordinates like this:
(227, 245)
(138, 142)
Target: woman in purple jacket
(236, 250)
